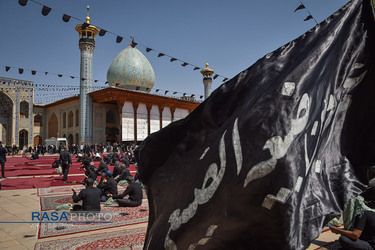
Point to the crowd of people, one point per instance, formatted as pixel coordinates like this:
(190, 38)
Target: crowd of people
(101, 183)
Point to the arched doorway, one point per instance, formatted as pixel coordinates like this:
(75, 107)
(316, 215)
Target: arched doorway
(53, 126)
(111, 127)
(23, 135)
(70, 139)
(38, 140)
(6, 109)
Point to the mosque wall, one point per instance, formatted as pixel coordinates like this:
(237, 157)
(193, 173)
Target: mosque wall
(180, 114)
(166, 116)
(127, 122)
(142, 122)
(154, 119)
(67, 121)
(16, 113)
(106, 123)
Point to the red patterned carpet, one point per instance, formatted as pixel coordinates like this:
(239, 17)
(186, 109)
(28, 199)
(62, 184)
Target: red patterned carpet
(121, 216)
(129, 239)
(51, 202)
(58, 190)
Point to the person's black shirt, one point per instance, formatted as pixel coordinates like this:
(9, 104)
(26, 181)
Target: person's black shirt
(134, 191)
(366, 223)
(3, 154)
(125, 173)
(90, 197)
(108, 187)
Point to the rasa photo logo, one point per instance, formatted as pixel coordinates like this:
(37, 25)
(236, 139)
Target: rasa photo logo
(71, 217)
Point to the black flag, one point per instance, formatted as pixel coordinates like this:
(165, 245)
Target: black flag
(45, 10)
(119, 39)
(275, 152)
(308, 18)
(300, 7)
(102, 32)
(66, 18)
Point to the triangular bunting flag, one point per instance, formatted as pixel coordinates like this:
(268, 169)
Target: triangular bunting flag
(308, 18)
(300, 7)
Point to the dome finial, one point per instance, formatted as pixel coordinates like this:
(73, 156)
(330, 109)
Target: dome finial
(87, 17)
(207, 72)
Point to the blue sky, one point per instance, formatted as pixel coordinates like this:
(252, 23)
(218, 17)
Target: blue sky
(229, 35)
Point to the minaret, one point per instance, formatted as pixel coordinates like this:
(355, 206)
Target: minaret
(207, 80)
(87, 33)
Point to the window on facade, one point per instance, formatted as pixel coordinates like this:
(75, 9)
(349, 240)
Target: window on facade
(38, 121)
(70, 119)
(64, 120)
(24, 109)
(77, 118)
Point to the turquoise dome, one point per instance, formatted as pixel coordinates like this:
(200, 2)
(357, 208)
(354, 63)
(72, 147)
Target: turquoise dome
(131, 70)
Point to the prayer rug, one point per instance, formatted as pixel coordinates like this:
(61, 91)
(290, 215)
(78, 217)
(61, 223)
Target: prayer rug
(59, 190)
(51, 202)
(122, 216)
(129, 239)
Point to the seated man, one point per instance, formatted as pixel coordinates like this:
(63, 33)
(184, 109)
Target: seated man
(90, 197)
(34, 156)
(362, 236)
(91, 173)
(102, 167)
(107, 185)
(56, 163)
(124, 173)
(117, 169)
(134, 191)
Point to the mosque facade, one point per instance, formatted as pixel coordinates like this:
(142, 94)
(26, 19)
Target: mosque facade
(123, 112)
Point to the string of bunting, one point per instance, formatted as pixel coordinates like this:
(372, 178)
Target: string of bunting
(66, 18)
(57, 87)
(302, 6)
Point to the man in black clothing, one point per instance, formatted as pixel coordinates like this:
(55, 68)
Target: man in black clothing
(362, 236)
(134, 191)
(117, 169)
(3, 159)
(102, 167)
(66, 162)
(124, 173)
(107, 185)
(90, 197)
(56, 163)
